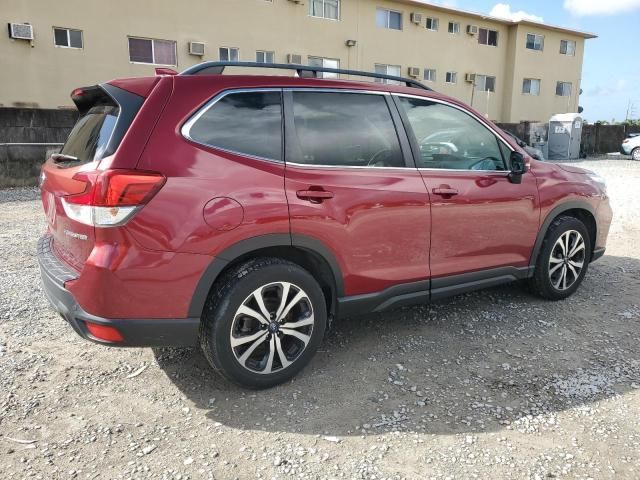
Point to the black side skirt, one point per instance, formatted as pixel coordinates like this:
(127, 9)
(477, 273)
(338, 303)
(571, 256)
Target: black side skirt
(425, 291)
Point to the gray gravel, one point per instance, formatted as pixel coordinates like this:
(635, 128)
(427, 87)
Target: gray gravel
(494, 384)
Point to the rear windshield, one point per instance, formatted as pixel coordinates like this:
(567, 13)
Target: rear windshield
(89, 138)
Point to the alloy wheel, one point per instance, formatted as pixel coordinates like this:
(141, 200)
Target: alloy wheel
(567, 260)
(272, 327)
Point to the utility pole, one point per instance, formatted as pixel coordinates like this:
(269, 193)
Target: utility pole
(626, 117)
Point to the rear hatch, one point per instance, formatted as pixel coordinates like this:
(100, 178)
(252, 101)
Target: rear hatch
(106, 112)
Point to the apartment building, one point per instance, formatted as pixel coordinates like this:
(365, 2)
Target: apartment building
(511, 71)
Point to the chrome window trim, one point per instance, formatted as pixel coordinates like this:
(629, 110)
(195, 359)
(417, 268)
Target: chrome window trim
(465, 170)
(185, 130)
(472, 115)
(355, 167)
(333, 90)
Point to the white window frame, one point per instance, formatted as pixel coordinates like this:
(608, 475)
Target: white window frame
(537, 37)
(153, 51)
(434, 21)
(566, 52)
(264, 55)
(388, 14)
(564, 89)
(484, 83)
(386, 72)
(430, 71)
(488, 31)
(451, 78)
(324, 11)
(456, 28)
(532, 92)
(68, 30)
(229, 59)
(325, 60)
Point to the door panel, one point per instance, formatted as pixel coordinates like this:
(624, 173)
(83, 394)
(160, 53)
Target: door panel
(489, 223)
(349, 185)
(479, 219)
(376, 224)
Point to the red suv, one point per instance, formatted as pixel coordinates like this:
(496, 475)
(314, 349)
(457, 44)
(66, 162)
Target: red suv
(245, 212)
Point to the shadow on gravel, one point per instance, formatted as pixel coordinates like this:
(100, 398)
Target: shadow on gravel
(475, 363)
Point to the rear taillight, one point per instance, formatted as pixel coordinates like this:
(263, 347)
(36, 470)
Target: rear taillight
(111, 197)
(626, 140)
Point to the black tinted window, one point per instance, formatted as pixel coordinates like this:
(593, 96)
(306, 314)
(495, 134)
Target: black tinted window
(451, 139)
(89, 138)
(248, 123)
(345, 129)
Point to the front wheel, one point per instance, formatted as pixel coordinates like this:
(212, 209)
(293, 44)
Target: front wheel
(263, 322)
(563, 260)
(635, 154)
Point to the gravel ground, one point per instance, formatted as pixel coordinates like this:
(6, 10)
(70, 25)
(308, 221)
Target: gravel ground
(494, 384)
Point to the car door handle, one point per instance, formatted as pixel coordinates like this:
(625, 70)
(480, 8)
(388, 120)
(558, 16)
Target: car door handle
(445, 191)
(314, 196)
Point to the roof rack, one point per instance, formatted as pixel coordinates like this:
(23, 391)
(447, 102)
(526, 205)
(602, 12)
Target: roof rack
(217, 68)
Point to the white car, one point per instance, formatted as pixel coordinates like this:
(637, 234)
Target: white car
(631, 146)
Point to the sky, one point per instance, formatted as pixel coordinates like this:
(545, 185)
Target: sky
(611, 69)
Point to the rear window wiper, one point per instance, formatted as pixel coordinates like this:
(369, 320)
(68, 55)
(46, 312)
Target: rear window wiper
(63, 158)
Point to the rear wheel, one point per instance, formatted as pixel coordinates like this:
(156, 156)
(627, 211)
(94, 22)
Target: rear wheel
(563, 259)
(635, 154)
(263, 322)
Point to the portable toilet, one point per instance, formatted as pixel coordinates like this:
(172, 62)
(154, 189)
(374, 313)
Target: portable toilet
(565, 134)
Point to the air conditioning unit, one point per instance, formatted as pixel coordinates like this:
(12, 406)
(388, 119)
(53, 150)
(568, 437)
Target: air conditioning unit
(414, 72)
(21, 31)
(470, 78)
(416, 18)
(472, 29)
(294, 58)
(196, 48)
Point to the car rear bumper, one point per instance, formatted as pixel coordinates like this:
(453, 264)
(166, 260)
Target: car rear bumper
(625, 149)
(134, 332)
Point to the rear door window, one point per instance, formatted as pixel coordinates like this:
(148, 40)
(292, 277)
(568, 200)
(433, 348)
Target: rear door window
(248, 123)
(344, 130)
(89, 139)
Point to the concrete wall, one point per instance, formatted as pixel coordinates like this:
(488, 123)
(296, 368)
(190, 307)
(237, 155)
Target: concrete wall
(41, 75)
(596, 139)
(34, 131)
(599, 139)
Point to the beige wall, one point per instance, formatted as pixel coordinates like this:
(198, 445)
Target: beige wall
(42, 75)
(549, 66)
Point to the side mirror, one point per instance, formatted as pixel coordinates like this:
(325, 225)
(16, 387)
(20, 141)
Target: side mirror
(518, 167)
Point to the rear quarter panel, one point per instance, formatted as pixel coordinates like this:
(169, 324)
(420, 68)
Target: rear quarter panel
(174, 219)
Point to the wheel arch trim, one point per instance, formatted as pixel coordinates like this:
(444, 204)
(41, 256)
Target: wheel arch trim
(254, 244)
(551, 216)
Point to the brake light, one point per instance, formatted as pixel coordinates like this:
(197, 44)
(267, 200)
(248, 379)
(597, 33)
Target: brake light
(626, 140)
(111, 197)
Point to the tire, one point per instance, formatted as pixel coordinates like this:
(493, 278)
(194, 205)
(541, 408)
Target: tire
(635, 154)
(547, 281)
(233, 322)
